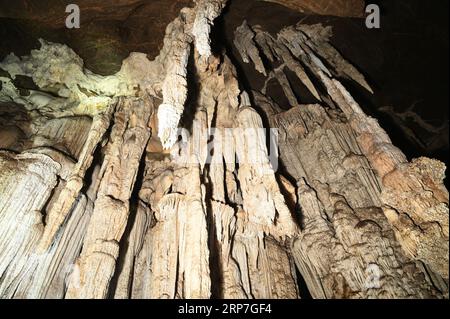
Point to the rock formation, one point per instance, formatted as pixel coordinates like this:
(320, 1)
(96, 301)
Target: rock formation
(163, 180)
(344, 8)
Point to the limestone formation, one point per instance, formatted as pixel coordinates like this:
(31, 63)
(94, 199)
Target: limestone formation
(163, 180)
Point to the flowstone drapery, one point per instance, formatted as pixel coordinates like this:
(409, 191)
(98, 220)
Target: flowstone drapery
(102, 195)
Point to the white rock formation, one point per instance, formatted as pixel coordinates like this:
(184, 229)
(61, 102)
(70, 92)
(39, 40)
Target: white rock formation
(93, 206)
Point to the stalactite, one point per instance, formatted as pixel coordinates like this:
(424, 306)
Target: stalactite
(157, 195)
(206, 12)
(366, 146)
(129, 136)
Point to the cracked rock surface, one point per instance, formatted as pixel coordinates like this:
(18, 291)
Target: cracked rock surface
(163, 180)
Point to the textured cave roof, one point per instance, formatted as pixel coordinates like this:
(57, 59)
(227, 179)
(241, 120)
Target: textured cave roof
(50, 11)
(113, 28)
(110, 29)
(405, 61)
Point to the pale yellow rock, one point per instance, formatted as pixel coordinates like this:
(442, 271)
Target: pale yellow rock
(136, 191)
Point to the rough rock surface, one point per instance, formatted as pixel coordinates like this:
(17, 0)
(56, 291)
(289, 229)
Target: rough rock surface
(348, 174)
(342, 8)
(161, 181)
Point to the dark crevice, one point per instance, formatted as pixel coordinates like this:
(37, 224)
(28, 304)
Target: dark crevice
(213, 246)
(187, 118)
(302, 286)
(302, 93)
(276, 93)
(53, 192)
(97, 160)
(221, 42)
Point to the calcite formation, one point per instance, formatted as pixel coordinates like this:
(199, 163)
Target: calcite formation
(159, 181)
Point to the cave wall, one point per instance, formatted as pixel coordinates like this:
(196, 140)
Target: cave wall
(102, 197)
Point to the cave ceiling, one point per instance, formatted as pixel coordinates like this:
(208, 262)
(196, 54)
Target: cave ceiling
(113, 29)
(93, 178)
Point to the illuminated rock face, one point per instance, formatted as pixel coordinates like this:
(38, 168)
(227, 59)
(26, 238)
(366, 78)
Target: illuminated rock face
(101, 198)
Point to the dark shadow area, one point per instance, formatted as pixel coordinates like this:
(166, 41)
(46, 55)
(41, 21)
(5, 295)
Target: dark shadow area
(302, 286)
(405, 62)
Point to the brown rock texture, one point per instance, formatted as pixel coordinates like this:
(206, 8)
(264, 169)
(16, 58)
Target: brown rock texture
(163, 179)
